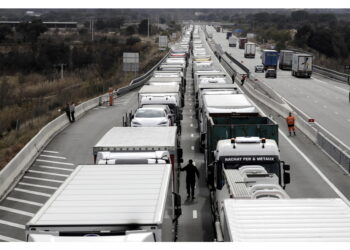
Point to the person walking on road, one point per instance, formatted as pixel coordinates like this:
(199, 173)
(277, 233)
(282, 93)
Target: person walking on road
(67, 110)
(243, 79)
(290, 123)
(72, 111)
(191, 172)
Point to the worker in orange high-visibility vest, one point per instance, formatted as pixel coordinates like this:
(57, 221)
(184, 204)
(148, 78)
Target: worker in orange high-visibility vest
(290, 123)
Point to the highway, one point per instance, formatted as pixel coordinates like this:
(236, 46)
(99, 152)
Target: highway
(73, 146)
(325, 100)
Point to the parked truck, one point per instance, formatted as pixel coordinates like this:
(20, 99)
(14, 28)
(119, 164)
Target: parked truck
(302, 65)
(269, 59)
(286, 220)
(249, 50)
(129, 145)
(232, 42)
(285, 59)
(118, 203)
(242, 42)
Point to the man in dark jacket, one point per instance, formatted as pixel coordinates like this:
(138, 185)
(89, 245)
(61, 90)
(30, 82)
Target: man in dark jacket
(191, 172)
(67, 110)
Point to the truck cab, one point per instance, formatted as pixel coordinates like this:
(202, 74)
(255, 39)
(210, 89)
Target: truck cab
(239, 152)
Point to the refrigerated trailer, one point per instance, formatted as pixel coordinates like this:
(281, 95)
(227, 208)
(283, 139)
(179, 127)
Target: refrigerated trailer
(302, 65)
(249, 50)
(285, 59)
(118, 203)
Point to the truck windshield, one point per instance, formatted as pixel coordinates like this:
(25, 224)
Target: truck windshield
(272, 167)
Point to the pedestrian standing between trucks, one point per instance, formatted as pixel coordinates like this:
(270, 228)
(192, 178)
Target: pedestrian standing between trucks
(67, 110)
(290, 123)
(191, 172)
(243, 79)
(72, 111)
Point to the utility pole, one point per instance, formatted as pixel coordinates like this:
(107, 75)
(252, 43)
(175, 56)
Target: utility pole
(92, 29)
(62, 70)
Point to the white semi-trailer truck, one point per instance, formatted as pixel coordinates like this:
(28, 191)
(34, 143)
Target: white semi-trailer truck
(249, 50)
(118, 203)
(302, 65)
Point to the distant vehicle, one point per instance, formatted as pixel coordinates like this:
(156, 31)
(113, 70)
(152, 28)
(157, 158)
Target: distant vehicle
(228, 35)
(269, 58)
(232, 42)
(259, 68)
(150, 117)
(302, 65)
(242, 41)
(249, 50)
(270, 73)
(285, 59)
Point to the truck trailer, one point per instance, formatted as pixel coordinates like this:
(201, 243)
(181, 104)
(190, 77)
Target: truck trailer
(302, 65)
(118, 203)
(285, 59)
(269, 59)
(286, 220)
(249, 50)
(242, 42)
(232, 42)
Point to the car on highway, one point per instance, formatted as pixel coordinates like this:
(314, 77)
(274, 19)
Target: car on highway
(270, 73)
(259, 68)
(166, 108)
(147, 117)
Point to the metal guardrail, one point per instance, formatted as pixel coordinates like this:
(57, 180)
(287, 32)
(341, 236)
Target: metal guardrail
(23, 160)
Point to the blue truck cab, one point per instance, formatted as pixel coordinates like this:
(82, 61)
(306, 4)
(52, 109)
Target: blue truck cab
(269, 59)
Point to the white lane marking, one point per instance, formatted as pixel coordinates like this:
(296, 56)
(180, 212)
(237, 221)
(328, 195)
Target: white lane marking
(348, 120)
(52, 152)
(42, 179)
(195, 214)
(32, 192)
(190, 110)
(331, 85)
(9, 239)
(191, 125)
(52, 156)
(192, 147)
(56, 162)
(336, 113)
(12, 224)
(57, 168)
(48, 173)
(35, 185)
(16, 211)
(324, 106)
(25, 201)
(307, 159)
(190, 116)
(192, 135)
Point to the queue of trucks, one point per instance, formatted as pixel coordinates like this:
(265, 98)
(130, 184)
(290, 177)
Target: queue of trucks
(131, 192)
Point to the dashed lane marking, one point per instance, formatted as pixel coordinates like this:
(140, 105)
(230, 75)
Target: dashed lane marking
(324, 106)
(42, 179)
(336, 113)
(56, 162)
(57, 168)
(49, 151)
(5, 238)
(11, 224)
(53, 156)
(195, 215)
(192, 148)
(192, 135)
(32, 192)
(25, 201)
(48, 173)
(191, 125)
(16, 211)
(35, 185)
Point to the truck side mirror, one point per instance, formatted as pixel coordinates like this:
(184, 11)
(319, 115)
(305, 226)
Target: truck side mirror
(286, 167)
(180, 155)
(177, 206)
(286, 178)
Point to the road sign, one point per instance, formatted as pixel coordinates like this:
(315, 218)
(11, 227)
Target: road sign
(163, 42)
(130, 62)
